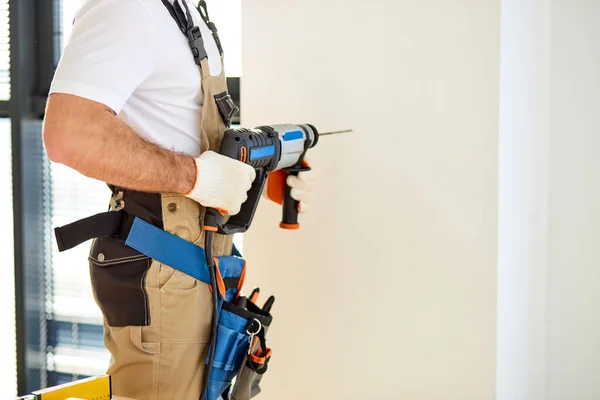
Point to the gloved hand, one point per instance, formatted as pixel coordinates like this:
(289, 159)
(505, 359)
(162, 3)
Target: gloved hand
(303, 187)
(221, 182)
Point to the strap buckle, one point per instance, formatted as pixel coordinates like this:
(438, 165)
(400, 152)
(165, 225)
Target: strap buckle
(196, 44)
(116, 202)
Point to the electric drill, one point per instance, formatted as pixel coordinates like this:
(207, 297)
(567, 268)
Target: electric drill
(266, 148)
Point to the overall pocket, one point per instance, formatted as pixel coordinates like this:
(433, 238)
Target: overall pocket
(118, 275)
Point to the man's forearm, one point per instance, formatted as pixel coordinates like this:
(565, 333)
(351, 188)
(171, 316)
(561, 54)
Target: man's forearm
(93, 141)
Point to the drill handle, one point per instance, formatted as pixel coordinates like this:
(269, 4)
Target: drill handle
(240, 222)
(289, 219)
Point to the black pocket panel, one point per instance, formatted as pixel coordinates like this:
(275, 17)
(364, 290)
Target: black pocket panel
(118, 275)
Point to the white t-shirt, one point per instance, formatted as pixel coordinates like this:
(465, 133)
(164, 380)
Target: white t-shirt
(131, 56)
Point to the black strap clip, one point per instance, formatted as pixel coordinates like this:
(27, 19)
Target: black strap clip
(196, 44)
(213, 29)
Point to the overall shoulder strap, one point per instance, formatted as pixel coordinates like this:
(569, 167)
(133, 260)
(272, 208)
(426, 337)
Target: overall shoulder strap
(185, 23)
(203, 10)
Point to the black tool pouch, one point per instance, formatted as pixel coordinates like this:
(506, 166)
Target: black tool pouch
(227, 107)
(247, 382)
(250, 323)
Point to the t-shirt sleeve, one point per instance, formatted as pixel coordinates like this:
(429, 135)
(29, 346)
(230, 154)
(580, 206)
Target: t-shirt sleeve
(109, 54)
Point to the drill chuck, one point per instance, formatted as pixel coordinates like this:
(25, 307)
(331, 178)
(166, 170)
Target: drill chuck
(295, 140)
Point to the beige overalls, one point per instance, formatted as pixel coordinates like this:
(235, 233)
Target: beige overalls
(157, 320)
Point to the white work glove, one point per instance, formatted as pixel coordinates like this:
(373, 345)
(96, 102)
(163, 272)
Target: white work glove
(221, 182)
(303, 187)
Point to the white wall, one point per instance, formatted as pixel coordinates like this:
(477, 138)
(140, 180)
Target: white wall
(549, 326)
(523, 198)
(389, 288)
(573, 319)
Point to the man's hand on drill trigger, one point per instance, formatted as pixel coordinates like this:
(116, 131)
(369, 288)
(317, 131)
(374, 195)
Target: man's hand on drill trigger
(221, 182)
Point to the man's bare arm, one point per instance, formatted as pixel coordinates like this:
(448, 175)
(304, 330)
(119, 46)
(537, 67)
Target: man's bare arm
(88, 137)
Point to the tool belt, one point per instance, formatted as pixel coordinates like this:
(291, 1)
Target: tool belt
(241, 355)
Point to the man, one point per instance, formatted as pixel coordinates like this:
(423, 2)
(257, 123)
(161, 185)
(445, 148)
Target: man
(129, 106)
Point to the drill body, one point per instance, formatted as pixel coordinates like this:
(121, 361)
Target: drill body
(266, 148)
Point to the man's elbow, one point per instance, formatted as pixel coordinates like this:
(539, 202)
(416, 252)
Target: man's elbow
(66, 122)
(58, 147)
(52, 144)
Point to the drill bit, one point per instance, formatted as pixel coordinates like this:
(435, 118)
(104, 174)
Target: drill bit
(335, 132)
